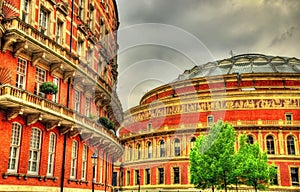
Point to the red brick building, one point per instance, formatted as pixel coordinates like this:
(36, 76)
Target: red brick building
(256, 93)
(48, 140)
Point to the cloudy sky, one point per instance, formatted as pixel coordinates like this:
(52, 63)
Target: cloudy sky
(159, 39)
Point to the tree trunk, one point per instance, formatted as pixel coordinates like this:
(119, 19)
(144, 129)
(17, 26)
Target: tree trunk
(213, 188)
(236, 186)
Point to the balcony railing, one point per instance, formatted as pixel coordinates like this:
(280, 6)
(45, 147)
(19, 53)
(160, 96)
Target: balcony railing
(15, 24)
(42, 105)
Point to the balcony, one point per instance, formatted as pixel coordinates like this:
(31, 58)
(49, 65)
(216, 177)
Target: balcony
(203, 126)
(34, 108)
(21, 37)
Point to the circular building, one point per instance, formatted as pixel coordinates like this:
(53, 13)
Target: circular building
(257, 94)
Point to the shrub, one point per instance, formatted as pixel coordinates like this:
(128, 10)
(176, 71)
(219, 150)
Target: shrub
(48, 88)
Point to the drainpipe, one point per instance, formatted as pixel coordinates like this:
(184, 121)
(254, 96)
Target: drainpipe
(68, 106)
(71, 31)
(63, 164)
(106, 164)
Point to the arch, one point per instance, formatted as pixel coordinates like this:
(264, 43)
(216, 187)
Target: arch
(130, 152)
(291, 145)
(250, 139)
(176, 144)
(138, 148)
(162, 148)
(149, 149)
(192, 141)
(270, 144)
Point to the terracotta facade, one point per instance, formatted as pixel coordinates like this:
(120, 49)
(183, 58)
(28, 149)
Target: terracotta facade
(48, 140)
(257, 94)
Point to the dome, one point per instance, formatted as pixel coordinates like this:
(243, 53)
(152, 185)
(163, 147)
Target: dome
(242, 64)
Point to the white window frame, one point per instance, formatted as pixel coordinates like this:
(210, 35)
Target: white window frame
(81, 9)
(34, 151)
(87, 106)
(77, 99)
(84, 162)
(44, 21)
(25, 10)
(59, 31)
(15, 142)
(51, 154)
(80, 47)
(40, 77)
(21, 73)
(55, 97)
(74, 159)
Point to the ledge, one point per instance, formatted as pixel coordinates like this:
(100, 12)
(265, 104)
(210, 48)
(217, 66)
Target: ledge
(26, 176)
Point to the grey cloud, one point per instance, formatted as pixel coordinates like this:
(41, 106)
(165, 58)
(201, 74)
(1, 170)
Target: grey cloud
(269, 27)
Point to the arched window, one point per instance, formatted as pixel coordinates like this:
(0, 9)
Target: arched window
(138, 147)
(51, 153)
(270, 144)
(149, 150)
(250, 139)
(176, 147)
(130, 152)
(74, 159)
(291, 145)
(162, 148)
(192, 142)
(34, 151)
(15, 141)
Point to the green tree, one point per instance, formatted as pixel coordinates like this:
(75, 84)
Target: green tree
(253, 165)
(212, 158)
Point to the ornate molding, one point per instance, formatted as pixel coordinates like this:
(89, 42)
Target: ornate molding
(55, 67)
(37, 57)
(33, 118)
(12, 113)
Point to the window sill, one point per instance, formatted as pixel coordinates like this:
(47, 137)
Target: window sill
(26, 176)
(77, 181)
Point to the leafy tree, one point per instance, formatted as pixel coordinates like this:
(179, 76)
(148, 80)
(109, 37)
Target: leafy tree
(212, 158)
(253, 165)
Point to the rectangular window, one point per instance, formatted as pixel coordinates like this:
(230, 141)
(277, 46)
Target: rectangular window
(51, 154)
(90, 57)
(87, 106)
(275, 180)
(114, 179)
(74, 160)
(21, 73)
(84, 162)
(137, 177)
(77, 101)
(210, 120)
(59, 28)
(176, 175)
(295, 176)
(25, 10)
(40, 77)
(81, 9)
(56, 96)
(79, 47)
(148, 176)
(128, 178)
(288, 118)
(91, 18)
(34, 151)
(14, 148)
(161, 175)
(44, 17)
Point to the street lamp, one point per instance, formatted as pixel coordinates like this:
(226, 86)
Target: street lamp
(94, 162)
(139, 182)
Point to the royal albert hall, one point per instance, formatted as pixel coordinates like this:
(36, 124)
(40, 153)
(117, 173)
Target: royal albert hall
(48, 140)
(258, 94)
